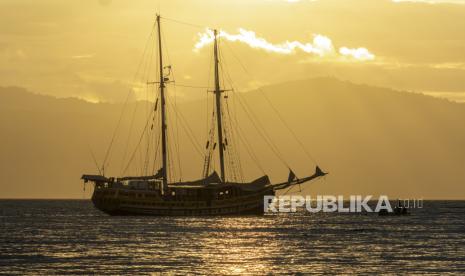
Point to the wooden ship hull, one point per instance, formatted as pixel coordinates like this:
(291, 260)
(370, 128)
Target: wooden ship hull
(119, 202)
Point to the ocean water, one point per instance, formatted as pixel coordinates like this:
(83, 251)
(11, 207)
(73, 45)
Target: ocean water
(71, 237)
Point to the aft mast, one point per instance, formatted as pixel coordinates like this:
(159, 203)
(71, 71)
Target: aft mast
(218, 92)
(164, 137)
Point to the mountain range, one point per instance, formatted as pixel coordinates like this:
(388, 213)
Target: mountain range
(371, 140)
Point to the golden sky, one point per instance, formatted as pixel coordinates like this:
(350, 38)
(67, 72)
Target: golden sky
(91, 49)
(368, 138)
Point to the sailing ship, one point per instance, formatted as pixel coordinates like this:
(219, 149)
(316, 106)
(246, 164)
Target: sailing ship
(213, 194)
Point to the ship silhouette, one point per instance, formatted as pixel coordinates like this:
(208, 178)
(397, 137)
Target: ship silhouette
(213, 194)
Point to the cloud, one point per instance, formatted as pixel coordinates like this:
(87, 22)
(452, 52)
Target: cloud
(357, 53)
(321, 45)
(452, 96)
(449, 65)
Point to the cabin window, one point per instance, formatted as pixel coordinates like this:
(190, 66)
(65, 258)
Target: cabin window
(221, 193)
(173, 193)
(227, 192)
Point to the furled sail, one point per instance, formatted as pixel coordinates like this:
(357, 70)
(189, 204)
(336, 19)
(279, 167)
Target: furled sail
(291, 176)
(213, 178)
(292, 180)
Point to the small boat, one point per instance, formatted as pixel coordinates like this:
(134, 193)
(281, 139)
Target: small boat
(399, 210)
(214, 194)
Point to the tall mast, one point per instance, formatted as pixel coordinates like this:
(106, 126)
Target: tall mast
(162, 110)
(218, 92)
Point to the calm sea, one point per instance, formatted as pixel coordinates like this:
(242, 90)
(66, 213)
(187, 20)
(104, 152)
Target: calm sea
(71, 237)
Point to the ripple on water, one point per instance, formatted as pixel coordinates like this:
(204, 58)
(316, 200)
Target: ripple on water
(44, 237)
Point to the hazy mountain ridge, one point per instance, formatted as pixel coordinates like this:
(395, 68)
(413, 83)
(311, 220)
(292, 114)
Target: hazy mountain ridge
(372, 140)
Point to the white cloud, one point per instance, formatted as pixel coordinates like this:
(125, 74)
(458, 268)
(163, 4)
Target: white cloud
(320, 45)
(357, 53)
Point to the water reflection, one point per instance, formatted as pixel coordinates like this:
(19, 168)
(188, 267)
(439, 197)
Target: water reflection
(44, 237)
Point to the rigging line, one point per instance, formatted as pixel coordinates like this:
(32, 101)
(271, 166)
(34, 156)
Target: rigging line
(154, 165)
(149, 143)
(157, 138)
(157, 119)
(237, 149)
(232, 154)
(274, 108)
(289, 128)
(148, 135)
(137, 146)
(149, 149)
(234, 142)
(95, 160)
(171, 173)
(207, 98)
(288, 190)
(184, 22)
(211, 133)
(175, 136)
(230, 151)
(148, 105)
(232, 120)
(260, 129)
(177, 143)
(188, 130)
(230, 166)
(233, 159)
(209, 149)
(249, 150)
(129, 135)
(147, 157)
(149, 108)
(126, 101)
(156, 125)
(192, 86)
(262, 132)
(248, 146)
(157, 147)
(176, 139)
(303, 191)
(245, 141)
(172, 71)
(223, 60)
